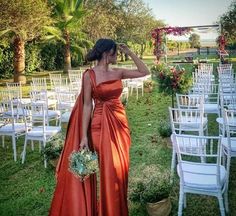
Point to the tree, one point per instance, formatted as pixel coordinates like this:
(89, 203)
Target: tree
(228, 23)
(142, 34)
(194, 40)
(68, 15)
(102, 19)
(22, 21)
(133, 26)
(138, 23)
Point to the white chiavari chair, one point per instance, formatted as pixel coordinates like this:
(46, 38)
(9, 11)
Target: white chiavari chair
(209, 177)
(38, 128)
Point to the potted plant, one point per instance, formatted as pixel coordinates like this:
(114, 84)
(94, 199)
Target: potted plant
(53, 149)
(153, 189)
(148, 86)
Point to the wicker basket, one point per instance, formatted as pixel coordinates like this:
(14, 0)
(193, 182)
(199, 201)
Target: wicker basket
(162, 208)
(148, 89)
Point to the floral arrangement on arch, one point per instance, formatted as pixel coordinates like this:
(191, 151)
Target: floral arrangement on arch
(222, 42)
(159, 33)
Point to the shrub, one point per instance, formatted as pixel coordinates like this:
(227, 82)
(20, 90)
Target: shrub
(54, 147)
(32, 58)
(164, 129)
(6, 62)
(51, 56)
(152, 186)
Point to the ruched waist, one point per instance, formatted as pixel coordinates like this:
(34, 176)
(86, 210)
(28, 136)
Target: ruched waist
(111, 102)
(104, 107)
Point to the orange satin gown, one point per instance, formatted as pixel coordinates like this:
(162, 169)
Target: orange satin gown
(110, 137)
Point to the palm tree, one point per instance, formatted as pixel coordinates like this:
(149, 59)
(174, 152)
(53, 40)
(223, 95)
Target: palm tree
(22, 21)
(68, 15)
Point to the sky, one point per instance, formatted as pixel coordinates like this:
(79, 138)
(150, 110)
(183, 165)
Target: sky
(189, 13)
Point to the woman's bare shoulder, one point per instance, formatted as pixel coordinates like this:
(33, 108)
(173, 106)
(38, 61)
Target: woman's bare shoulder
(117, 72)
(86, 75)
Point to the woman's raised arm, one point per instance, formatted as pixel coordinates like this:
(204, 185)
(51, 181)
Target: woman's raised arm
(141, 70)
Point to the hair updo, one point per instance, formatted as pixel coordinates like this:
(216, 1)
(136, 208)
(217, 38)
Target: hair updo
(101, 46)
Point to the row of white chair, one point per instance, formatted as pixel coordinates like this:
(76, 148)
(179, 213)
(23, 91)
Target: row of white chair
(33, 123)
(203, 161)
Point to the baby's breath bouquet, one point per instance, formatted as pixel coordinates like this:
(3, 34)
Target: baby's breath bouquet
(83, 163)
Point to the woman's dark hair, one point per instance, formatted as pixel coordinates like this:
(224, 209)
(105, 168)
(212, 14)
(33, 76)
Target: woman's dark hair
(101, 46)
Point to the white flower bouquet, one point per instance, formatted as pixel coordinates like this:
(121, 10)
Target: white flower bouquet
(83, 163)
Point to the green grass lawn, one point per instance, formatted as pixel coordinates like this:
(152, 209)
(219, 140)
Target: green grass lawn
(27, 189)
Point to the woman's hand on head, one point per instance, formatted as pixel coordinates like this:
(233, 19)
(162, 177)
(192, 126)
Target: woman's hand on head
(124, 48)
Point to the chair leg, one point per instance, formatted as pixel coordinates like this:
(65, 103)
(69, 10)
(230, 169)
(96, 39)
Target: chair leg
(3, 141)
(226, 200)
(59, 120)
(181, 197)
(24, 151)
(221, 204)
(203, 159)
(14, 146)
(173, 163)
(223, 158)
(45, 160)
(40, 146)
(32, 145)
(206, 131)
(185, 200)
(221, 130)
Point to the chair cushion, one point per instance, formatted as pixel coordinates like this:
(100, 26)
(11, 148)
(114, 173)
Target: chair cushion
(231, 106)
(51, 102)
(38, 131)
(49, 114)
(188, 123)
(201, 175)
(19, 128)
(17, 111)
(211, 108)
(65, 117)
(224, 142)
(66, 105)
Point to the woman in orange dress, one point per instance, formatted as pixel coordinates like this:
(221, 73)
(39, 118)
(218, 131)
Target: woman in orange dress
(104, 129)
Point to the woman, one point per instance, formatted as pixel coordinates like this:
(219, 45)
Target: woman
(108, 134)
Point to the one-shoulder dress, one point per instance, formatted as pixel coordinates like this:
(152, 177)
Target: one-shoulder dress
(110, 137)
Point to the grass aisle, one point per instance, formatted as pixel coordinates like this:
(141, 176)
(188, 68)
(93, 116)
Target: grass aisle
(27, 189)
